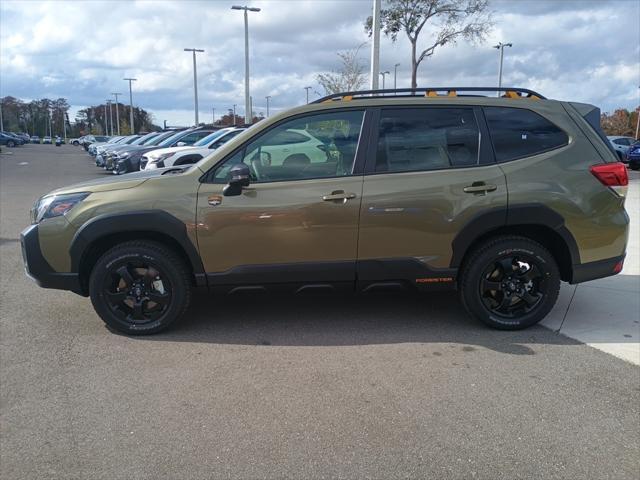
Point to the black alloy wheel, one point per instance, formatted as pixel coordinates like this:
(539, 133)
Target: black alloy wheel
(509, 282)
(140, 287)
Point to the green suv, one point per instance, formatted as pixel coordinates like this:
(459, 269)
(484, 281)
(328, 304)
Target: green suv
(428, 189)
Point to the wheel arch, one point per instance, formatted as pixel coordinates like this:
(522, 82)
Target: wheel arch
(537, 222)
(103, 232)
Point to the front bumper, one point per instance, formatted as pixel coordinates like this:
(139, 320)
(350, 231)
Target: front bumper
(38, 269)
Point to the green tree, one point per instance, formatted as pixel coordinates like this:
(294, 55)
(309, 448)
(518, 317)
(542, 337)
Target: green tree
(447, 21)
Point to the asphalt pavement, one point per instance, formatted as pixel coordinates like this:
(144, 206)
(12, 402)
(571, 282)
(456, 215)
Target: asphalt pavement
(386, 386)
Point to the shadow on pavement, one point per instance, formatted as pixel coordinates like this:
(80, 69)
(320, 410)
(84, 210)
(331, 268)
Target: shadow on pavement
(343, 320)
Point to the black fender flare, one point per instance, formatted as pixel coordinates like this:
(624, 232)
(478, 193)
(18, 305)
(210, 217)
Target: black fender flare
(156, 221)
(533, 214)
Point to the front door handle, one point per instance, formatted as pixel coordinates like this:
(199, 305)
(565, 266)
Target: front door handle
(479, 187)
(338, 195)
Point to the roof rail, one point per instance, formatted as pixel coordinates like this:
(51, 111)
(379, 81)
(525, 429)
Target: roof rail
(430, 92)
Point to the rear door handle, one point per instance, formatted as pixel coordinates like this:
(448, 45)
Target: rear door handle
(338, 195)
(479, 187)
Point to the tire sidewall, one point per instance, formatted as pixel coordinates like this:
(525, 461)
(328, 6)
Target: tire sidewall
(473, 275)
(136, 254)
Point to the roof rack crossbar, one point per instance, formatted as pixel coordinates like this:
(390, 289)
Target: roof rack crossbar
(430, 92)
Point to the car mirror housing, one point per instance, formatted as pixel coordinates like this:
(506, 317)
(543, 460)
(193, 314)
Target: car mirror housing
(239, 177)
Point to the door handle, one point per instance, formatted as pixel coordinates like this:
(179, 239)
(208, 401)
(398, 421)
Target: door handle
(338, 195)
(479, 187)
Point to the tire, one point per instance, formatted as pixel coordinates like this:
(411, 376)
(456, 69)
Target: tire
(124, 284)
(526, 280)
(11, 144)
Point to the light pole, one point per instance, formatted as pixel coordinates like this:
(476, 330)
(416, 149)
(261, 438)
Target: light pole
(131, 105)
(384, 75)
(268, 97)
(500, 47)
(106, 121)
(375, 45)
(117, 111)
(195, 80)
(395, 76)
(110, 116)
(247, 101)
(213, 115)
(234, 115)
(307, 91)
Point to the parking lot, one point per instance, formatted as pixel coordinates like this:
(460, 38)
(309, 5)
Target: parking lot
(385, 386)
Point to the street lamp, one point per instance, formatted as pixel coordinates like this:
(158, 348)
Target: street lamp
(268, 97)
(195, 80)
(106, 120)
(110, 117)
(395, 75)
(500, 47)
(375, 45)
(117, 111)
(384, 75)
(234, 115)
(131, 105)
(213, 115)
(247, 102)
(307, 90)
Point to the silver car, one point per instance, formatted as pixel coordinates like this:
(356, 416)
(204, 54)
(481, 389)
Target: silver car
(621, 145)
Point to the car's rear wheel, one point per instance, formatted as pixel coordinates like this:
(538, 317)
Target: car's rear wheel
(140, 287)
(510, 282)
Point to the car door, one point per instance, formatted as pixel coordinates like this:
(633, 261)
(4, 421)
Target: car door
(297, 222)
(429, 172)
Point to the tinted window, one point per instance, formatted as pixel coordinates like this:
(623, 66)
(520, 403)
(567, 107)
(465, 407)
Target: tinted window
(426, 139)
(314, 146)
(622, 141)
(518, 133)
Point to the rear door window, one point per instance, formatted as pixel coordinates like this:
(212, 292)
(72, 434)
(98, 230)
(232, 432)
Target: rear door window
(418, 139)
(518, 133)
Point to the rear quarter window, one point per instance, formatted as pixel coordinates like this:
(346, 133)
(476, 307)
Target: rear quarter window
(517, 133)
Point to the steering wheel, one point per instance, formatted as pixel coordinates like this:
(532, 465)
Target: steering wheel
(257, 164)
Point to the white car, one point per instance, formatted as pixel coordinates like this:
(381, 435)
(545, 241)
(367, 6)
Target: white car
(183, 155)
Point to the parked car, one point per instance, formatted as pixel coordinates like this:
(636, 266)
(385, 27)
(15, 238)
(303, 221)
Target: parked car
(183, 155)
(621, 145)
(9, 140)
(133, 152)
(46, 140)
(25, 137)
(499, 198)
(109, 152)
(131, 163)
(633, 156)
(89, 139)
(35, 139)
(18, 138)
(97, 147)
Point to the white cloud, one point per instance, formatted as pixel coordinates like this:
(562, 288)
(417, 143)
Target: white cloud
(577, 50)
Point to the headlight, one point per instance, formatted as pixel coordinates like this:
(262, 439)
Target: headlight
(55, 205)
(124, 155)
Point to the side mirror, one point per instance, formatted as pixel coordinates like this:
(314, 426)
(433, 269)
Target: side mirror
(239, 176)
(181, 144)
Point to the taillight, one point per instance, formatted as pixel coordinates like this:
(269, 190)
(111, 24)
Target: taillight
(613, 175)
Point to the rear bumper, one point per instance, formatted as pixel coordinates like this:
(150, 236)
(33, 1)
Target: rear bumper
(38, 269)
(594, 270)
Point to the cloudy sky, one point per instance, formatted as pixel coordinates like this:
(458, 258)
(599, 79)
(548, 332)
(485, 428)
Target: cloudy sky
(587, 50)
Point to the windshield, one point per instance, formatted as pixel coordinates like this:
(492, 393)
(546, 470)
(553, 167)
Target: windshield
(171, 139)
(209, 138)
(143, 139)
(160, 138)
(149, 138)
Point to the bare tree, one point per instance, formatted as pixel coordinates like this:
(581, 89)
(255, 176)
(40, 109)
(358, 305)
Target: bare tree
(449, 21)
(349, 77)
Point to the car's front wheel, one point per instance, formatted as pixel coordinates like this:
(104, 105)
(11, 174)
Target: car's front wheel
(11, 144)
(140, 287)
(510, 282)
